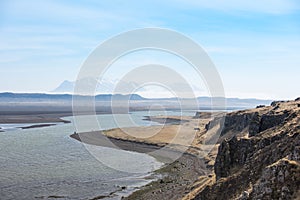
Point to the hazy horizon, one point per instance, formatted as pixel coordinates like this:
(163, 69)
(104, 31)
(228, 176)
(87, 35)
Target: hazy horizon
(148, 94)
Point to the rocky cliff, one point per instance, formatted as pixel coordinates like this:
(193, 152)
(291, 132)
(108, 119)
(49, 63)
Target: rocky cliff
(258, 155)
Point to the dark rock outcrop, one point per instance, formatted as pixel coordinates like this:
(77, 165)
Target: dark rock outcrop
(275, 181)
(260, 106)
(264, 163)
(252, 122)
(272, 119)
(254, 126)
(232, 154)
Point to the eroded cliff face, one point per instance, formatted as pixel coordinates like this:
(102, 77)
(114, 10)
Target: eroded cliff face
(259, 154)
(278, 181)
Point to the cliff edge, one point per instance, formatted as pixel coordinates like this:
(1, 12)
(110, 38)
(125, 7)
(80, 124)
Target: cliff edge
(259, 154)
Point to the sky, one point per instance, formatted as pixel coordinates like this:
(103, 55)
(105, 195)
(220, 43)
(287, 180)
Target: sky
(254, 45)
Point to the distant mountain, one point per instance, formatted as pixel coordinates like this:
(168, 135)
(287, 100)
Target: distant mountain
(104, 86)
(64, 87)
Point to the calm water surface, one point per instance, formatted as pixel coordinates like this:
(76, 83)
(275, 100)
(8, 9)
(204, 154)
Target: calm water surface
(43, 162)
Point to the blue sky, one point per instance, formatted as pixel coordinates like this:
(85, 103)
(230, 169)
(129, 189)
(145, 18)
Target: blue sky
(255, 45)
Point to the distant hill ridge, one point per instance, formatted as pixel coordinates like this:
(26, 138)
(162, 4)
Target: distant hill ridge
(173, 102)
(105, 97)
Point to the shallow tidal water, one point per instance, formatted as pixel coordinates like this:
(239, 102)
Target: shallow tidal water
(45, 162)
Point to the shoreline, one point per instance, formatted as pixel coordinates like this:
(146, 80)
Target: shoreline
(175, 180)
(94, 138)
(39, 116)
(34, 118)
(171, 180)
(39, 126)
(165, 120)
(33, 121)
(125, 191)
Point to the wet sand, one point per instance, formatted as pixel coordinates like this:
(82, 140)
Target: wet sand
(33, 118)
(37, 126)
(174, 179)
